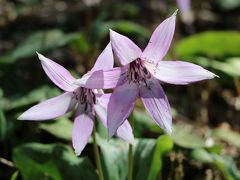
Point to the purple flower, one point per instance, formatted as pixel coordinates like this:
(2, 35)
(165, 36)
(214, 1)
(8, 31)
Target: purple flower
(88, 102)
(140, 74)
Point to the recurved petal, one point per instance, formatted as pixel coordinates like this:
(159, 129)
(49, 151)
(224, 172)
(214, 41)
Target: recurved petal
(82, 130)
(102, 79)
(101, 107)
(156, 103)
(160, 41)
(179, 72)
(124, 131)
(58, 74)
(126, 50)
(105, 59)
(50, 108)
(120, 106)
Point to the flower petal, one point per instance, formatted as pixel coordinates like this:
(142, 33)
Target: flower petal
(120, 106)
(124, 131)
(156, 103)
(179, 72)
(58, 74)
(126, 50)
(50, 108)
(102, 79)
(160, 41)
(105, 59)
(82, 130)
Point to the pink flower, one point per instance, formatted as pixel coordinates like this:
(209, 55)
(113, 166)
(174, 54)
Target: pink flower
(140, 74)
(88, 102)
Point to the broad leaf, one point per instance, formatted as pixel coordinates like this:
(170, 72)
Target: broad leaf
(228, 4)
(229, 66)
(225, 164)
(40, 41)
(148, 155)
(54, 161)
(186, 139)
(39, 94)
(209, 44)
(61, 128)
(227, 135)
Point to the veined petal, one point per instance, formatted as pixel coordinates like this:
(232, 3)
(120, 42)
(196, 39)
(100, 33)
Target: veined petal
(102, 79)
(120, 105)
(179, 72)
(58, 74)
(126, 50)
(124, 131)
(82, 130)
(160, 41)
(105, 59)
(51, 108)
(156, 103)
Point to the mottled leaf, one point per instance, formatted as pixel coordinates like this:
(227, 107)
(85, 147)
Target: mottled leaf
(51, 161)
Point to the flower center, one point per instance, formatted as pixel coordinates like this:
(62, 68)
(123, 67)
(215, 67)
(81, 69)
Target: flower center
(86, 97)
(137, 72)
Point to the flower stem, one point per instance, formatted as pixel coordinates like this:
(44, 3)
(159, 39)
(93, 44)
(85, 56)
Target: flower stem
(97, 156)
(130, 152)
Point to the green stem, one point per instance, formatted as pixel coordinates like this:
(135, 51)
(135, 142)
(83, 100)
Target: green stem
(97, 156)
(130, 153)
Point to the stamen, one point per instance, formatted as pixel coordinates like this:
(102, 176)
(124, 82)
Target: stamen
(137, 72)
(135, 75)
(145, 70)
(94, 98)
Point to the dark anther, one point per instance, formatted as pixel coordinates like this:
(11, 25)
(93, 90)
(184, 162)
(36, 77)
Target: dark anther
(83, 99)
(135, 75)
(145, 70)
(94, 98)
(138, 65)
(86, 106)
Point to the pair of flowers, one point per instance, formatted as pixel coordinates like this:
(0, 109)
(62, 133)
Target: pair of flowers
(138, 77)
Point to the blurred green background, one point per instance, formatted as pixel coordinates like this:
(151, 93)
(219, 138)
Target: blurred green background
(206, 141)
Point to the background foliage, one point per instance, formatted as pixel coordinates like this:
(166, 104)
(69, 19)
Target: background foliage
(205, 143)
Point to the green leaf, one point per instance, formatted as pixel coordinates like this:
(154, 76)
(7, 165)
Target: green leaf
(145, 122)
(39, 94)
(81, 44)
(228, 4)
(225, 164)
(40, 41)
(15, 175)
(3, 122)
(114, 158)
(61, 128)
(186, 139)
(163, 146)
(229, 66)
(212, 44)
(51, 161)
(148, 155)
(227, 135)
